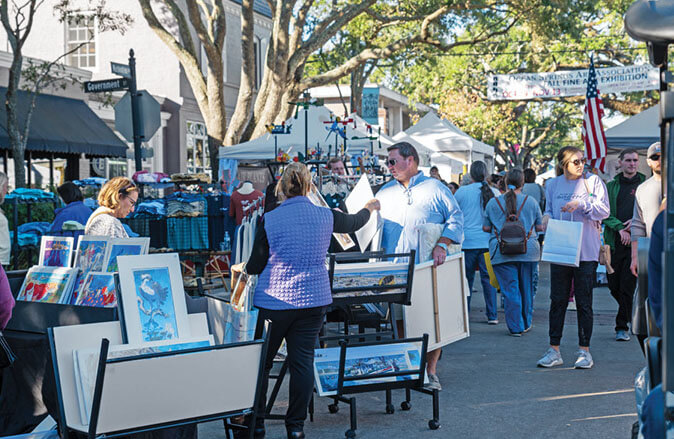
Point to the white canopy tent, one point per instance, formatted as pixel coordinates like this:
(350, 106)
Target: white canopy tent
(318, 134)
(441, 136)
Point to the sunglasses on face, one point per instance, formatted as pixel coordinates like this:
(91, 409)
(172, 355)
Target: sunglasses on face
(391, 162)
(655, 157)
(578, 162)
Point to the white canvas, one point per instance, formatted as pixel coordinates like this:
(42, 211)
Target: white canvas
(56, 251)
(123, 246)
(562, 242)
(448, 321)
(153, 298)
(359, 196)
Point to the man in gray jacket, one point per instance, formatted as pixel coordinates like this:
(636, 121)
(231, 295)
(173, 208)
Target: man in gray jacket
(647, 203)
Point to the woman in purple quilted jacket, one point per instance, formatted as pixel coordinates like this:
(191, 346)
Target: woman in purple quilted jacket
(293, 288)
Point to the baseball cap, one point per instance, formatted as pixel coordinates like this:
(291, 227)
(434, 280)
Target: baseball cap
(653, 149)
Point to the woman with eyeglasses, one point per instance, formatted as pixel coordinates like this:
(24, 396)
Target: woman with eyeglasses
(117, 199)
(574, 196)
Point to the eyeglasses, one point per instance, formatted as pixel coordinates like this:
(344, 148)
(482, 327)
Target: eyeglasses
(577, 162)
(132, 201)
(655, 157)
(391, 162)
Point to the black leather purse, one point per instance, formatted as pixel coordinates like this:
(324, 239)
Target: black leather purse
(7, 357)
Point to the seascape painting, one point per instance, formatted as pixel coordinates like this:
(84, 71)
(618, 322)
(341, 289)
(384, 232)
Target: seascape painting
(46, 285)
(55, 251)
(364, 361)
(121, 250)
(349, 278)
(90, 254)
(98, 289)
(155, 304)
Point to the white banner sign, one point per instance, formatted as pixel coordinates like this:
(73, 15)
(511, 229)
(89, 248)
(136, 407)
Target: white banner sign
(523, 86)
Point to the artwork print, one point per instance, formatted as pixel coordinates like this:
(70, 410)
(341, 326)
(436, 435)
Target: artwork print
(98, 289)
(349, 278)
(364, 361)
(90, 255)
(122, 250)
(45, 286)
(155, 304)
(55, 252)
(316, 199)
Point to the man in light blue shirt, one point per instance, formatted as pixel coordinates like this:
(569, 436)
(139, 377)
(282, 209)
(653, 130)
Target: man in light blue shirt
(410, 200)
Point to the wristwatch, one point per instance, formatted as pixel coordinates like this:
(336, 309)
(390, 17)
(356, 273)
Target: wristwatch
(443, 246)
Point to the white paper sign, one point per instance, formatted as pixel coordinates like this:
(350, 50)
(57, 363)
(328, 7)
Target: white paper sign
(359, 196)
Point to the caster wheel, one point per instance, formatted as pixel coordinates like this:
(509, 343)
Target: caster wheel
(350, 434)
(405, 405)
(433, 424)
(390, 409)
(333, 408)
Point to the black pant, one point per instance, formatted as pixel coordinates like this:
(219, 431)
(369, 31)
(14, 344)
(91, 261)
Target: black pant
(300, 328)
(622, 284)
(584, 278)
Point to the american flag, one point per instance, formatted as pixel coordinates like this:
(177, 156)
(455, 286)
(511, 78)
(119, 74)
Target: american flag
(593, 131)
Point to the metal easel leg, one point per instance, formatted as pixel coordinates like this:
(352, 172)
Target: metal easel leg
(434, 423)
(389, 404)
(351, 433)
(274, 393)
(406, 405)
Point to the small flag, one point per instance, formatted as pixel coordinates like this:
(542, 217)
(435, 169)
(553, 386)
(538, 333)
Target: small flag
(593, 130)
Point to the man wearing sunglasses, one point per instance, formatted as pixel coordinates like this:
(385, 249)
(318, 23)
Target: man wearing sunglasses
(410, 200)
(647, 202)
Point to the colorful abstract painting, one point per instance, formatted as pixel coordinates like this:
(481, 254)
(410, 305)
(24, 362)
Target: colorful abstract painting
(155, 304)
(90, 254)
(55, 251)
(121, 250)
(98, 289)
(46, 285)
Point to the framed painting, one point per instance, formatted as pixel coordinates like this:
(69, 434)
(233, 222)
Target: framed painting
(47, 284)
(97, 289)
(123, 247)
(362, 361)
(56, 251)
(153, 298)
(90, 253)
(360, 281)
(316, 199)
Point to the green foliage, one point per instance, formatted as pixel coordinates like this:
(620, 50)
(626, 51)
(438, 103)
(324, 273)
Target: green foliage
(39, 212)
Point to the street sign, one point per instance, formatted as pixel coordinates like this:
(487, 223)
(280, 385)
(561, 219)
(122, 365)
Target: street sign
(106, 85)
(149, 112)
(121, 69)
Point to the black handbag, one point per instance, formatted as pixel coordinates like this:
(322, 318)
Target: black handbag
(7, 357)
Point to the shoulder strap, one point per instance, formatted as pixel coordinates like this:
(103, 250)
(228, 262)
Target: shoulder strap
(500, 206)
(522, 206)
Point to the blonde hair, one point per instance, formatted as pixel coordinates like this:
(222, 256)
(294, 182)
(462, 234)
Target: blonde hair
(295, 181)
(564, 156)
(112, 191)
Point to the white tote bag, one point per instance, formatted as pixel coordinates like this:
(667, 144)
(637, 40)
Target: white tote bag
(562, 242)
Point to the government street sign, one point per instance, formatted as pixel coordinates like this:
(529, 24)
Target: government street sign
(120, 69)
(106, 85)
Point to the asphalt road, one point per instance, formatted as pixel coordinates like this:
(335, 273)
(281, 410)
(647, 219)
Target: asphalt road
(493, 389)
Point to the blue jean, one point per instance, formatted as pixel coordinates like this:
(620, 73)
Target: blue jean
(473, 258)
(516, 281)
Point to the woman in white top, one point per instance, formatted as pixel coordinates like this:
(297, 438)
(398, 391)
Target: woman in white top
(117, 199)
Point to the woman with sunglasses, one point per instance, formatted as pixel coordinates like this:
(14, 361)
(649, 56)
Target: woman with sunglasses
(117, 199)
(574, 196)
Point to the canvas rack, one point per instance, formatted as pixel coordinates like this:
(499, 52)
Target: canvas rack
(149, 392)
(348, 385)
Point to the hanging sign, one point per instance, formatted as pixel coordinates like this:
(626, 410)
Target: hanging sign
(370, 111)
(523, 86)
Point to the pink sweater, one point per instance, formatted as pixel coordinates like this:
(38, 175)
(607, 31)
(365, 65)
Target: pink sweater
(6, 299)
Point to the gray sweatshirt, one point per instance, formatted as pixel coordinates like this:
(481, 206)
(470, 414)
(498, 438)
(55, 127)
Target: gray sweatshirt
(648, 198)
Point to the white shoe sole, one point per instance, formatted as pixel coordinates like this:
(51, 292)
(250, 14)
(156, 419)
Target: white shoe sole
(553, 364)
(584, 367)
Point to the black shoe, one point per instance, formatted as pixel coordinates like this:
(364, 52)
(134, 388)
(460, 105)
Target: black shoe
(296, 434)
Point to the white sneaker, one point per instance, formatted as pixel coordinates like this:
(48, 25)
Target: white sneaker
(584, 360)
(551, 358)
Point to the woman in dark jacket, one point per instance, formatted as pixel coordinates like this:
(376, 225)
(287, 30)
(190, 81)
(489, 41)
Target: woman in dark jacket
(293, 289)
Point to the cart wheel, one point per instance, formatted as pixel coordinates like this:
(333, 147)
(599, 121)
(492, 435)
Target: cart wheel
(350, 434)
(405, 405)
(433, 424)
(333, 408)
(390, 409)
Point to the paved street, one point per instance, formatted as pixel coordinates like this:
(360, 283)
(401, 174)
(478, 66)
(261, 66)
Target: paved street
(493, 389)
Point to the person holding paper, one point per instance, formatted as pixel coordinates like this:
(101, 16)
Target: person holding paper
(293, 288)
(410, 200)
(574, 196)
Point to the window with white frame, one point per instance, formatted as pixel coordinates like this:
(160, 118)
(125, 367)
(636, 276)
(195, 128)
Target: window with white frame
(81, 41)
(198, 159)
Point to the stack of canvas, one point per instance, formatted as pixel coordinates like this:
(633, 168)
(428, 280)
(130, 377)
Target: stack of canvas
(154, 318)
(87, 279)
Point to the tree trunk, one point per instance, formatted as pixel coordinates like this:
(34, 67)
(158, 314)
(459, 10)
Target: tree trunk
(17, 144)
